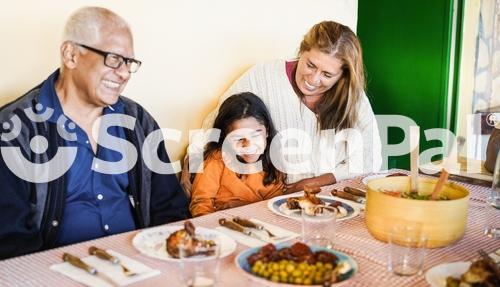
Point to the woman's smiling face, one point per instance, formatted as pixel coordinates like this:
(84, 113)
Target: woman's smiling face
(317, 72)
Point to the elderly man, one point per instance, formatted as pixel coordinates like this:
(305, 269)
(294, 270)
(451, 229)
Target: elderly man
(44, 204)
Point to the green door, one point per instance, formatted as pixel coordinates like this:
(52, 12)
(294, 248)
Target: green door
(407, 47)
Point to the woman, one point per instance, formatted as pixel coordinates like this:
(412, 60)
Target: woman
(321, 91)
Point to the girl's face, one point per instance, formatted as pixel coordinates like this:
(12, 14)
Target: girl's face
(248, 138)
(317, 72)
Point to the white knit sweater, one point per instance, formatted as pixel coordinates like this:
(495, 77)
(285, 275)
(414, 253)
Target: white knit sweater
(269, 81)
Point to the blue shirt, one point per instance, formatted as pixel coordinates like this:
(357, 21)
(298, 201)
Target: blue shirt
(97, 204)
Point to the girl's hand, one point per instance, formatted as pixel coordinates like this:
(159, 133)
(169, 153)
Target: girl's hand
(322, 180)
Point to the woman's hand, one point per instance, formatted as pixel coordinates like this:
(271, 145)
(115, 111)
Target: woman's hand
(322, 180)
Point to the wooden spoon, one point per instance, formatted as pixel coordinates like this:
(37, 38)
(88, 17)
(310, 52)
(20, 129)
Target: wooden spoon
(439, 185)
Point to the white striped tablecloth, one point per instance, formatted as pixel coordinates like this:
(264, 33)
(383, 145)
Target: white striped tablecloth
(352, 237)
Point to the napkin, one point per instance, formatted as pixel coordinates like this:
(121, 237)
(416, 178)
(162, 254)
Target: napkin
(283, 234)
(113, 271)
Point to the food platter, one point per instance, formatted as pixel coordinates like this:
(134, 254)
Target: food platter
(152, 241)
(436, 276)
(278, 206)
(241, 261)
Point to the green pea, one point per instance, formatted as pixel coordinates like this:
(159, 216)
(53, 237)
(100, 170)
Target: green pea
(297, 273)
(302, 266)
(318, 278)
(262, 268)
(283, 279)
(275, 278)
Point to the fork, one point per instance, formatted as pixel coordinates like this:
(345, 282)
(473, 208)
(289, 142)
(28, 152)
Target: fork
(103, 254)
(490, 262)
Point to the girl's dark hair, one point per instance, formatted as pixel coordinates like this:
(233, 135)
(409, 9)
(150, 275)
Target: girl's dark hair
(241, 106)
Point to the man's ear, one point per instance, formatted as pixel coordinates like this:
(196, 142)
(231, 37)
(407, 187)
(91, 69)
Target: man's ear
(69, 55)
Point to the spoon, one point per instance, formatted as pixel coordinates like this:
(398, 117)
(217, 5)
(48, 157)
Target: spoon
(414, 143)
(439, 185)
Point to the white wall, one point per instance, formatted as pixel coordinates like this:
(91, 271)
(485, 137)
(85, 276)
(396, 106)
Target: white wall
(467, 67)
(191, 50)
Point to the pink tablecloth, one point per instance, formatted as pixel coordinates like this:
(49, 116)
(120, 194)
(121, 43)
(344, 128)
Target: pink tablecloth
(352, 238)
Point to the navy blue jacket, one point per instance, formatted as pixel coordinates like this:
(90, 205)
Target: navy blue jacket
(30, 213)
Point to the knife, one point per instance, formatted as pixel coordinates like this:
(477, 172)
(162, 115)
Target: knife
(77, 262)
(248, 232)
(251, 224)
(103, 254)
(348, 196)
(355, 191)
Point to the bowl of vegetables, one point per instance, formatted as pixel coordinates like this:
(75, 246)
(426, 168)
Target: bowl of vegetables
(296, 264)
(390, 201)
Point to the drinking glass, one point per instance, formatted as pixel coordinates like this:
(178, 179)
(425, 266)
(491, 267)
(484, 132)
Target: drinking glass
(202, 268)
(492, 208)
(494, 198)
(406, 249)
(318, 225)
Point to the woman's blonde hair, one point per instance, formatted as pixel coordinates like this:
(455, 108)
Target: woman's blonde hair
(339, 107)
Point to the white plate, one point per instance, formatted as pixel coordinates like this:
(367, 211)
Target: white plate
(241, 261)
(436, 276)
(152, 241)
(383, 174)
(278, 206)
(366, 179)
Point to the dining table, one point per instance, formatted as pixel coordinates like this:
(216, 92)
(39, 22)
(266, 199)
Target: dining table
(351, 237)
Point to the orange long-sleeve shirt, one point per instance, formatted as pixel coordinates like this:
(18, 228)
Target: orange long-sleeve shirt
(218, 187)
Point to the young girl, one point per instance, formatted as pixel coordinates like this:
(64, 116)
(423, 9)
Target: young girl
(246, 127)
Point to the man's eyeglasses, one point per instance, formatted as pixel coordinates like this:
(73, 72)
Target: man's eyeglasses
(115, 61)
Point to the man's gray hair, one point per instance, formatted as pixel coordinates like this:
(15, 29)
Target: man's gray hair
(85, 24)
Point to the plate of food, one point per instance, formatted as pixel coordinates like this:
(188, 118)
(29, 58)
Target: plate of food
(290, 205)
(161, 242)
(366, 179)
(297, 264)
(436, 276)
(456, 274)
